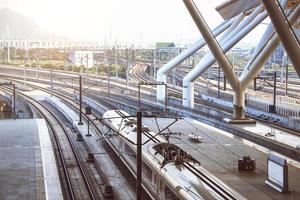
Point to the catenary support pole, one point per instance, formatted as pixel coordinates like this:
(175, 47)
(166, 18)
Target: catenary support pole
(166, 99)
(286, 79)
(219, 76)
(139, 96)
(14, 101)
(80, 101)
(274, 91)
(51, 79)
(139, 156)
(224, 82)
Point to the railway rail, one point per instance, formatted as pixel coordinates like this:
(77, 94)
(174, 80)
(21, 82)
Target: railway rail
(60, 134)
(94, 124)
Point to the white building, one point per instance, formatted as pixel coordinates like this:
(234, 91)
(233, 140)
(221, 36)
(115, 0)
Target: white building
(84, 58)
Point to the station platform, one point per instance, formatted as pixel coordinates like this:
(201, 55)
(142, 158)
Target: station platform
(111, 169)
(27, 168)
(272, 133)
(219, 151)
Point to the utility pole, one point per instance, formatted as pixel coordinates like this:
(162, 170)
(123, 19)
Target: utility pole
(154, 63)
(139, 96)
(8, 53)
(274, 92)
(286, 79)
(81, 63)
(80, 101)
(166, 99)
(51, 79)
(108, 75)
(116, 61)
(87, 63)
(224, 82)
(219, 76)
(139, 156)
(105, 63)
(127, 67)
(14, 101)
(36, 69)
(26, 60)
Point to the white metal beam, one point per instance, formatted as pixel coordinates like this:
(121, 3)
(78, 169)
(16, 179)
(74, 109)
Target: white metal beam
(227, 43)
(290, 43)
(256, 64)
(212, 43)
(162, 72)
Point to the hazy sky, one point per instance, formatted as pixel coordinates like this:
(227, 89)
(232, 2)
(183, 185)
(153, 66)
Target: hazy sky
(122, 20)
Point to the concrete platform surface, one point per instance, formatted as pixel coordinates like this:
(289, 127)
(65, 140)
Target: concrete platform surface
(219, 152)
(23, 172)
(271, 133)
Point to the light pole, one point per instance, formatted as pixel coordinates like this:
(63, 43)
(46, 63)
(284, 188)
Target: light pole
(80, 101)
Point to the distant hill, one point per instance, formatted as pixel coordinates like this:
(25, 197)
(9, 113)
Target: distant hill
(21, 27)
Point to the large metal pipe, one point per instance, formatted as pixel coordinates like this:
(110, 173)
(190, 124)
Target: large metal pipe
(162, 72)
(263, 42)
(290, 43)
(212, 44)
(255, 65)
(234, 37)
(234, 26)
(244, 23)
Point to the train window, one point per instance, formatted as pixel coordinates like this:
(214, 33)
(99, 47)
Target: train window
(169, 194)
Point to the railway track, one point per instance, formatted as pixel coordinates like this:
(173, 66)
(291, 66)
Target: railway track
(94, 125)
(74, 104)
(75, 177)
(95, 115)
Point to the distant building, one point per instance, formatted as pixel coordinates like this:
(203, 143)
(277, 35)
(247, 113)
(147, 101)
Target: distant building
(85, 58)
(165, 47)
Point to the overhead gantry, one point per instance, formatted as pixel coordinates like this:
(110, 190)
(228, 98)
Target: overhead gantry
(237, 26)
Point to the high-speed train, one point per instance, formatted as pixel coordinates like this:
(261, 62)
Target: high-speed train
(172, 172)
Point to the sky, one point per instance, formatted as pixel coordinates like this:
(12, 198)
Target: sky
(117, 20)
